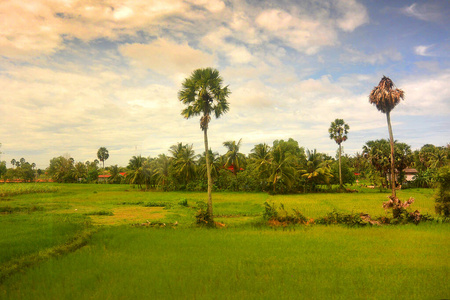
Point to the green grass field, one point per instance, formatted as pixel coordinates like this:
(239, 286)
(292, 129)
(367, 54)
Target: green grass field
(44, 241)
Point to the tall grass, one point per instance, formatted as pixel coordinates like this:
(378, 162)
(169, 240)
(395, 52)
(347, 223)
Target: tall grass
(407, 262)
(13, 189)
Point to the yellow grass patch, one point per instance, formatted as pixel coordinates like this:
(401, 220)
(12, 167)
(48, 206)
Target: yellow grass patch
(132, 214)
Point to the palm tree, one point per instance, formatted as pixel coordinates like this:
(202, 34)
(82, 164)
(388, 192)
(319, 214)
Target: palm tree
(215, 161)
(385, 98)
(260, 157)
(233, 157)
(162, 170)
(13, 162)
(204, 95)
(317, 169)
(184, 164)
(281, 167)
(103, 154)
(338, 132)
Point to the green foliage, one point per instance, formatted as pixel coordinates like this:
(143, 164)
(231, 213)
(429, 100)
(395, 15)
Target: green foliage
(442, 196)
(335, 217)
(281, 216)
(102, 155)
(183, 202)
(202, 217)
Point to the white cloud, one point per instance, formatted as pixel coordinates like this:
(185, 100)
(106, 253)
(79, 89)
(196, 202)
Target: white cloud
(381, 57)
(167, 58)
(428, 11)
(422, 50)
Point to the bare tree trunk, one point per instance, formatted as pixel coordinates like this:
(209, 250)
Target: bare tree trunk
(340, 172)
(391, 139)
(208, 172)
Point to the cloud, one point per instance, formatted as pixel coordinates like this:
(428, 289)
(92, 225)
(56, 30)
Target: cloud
(430, 12)
(422, 50)
(427, 95)
(382, 57)
(166, 57)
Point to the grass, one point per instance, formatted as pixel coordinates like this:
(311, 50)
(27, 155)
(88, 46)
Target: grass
(408, 262)
(243, 260)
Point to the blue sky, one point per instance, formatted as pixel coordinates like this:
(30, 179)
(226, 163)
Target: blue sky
(79, 75)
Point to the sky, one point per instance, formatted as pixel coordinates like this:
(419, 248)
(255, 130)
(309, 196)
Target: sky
(77, 75)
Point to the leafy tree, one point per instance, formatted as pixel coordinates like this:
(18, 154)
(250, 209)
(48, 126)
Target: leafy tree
(103, 154)
(233, 158)
(204, 95)
(61, 169)
(338, 132)
(385, 98)
(80, 171)
(3, 168)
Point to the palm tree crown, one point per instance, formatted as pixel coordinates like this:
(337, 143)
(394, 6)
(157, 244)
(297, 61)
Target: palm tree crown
(203, 94)
(338, 131)
(384, 96)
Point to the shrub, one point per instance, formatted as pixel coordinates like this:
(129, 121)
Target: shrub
(281, 216)
(183, 202)
(354, 219)
(202, 216)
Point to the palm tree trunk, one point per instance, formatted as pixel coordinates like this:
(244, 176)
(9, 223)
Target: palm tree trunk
(340, 172)
(391, 139)
(208, 172)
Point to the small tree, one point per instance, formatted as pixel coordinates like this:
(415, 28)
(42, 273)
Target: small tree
(338, 132)
(102, 155)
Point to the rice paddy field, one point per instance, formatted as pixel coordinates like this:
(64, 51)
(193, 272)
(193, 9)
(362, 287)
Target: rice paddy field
(75, 241)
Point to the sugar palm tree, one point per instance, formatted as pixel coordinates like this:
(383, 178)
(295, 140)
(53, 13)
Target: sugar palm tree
(233, 157)
(103, 154)
(385, 97)
(338, 132)
(204, 95)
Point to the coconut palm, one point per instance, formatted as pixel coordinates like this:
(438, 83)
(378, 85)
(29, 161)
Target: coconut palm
(385, 97)
(162, 170)
(338, 132)
(184, 164)
(215, 161)
(233, 158)
(204, 95)
(281, 167)
(260, 157)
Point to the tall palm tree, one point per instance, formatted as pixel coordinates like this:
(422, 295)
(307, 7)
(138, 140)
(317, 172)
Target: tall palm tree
(385, 97)
(233, 157)
(162, 170)
(338, 132)
(204, 95)
(103, 154)
(13, 162)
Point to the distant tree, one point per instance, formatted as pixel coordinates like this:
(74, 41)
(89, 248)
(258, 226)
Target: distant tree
(338, 132)
(61, 169)
(184, 164)
(114, 171)
(22, 161)
(103, 154)
(3, 168)
(281, 168)
(233, 158)
(204, 95)
(13, 162)
(385, 97)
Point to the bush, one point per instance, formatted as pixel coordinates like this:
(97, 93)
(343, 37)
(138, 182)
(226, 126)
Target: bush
(202, 216)
(281, 216)
(355, 219)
